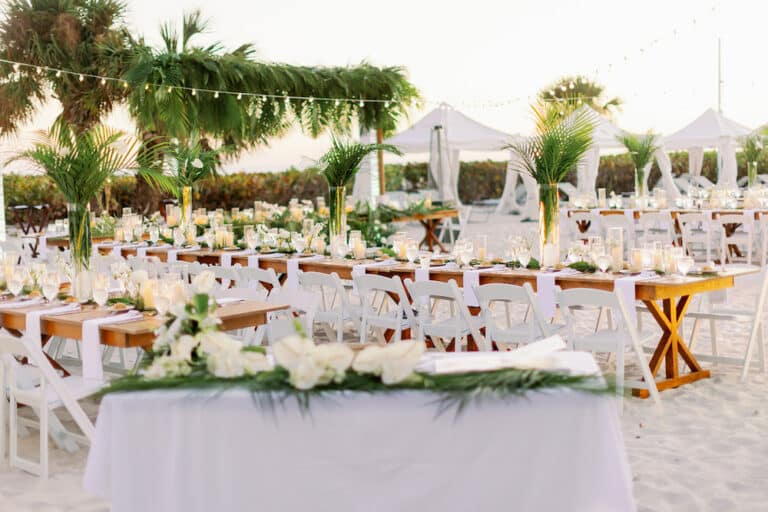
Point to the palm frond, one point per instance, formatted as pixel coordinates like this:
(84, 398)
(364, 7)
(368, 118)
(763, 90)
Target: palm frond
(560, 142)
(342, 161)
(641, 149)
(752, 148)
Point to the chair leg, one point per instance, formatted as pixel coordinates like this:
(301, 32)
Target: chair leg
(713, 335)
(755, 333)
(620, 378)
(363, 330)
(761, 348)
(694, 334)
(44, 442)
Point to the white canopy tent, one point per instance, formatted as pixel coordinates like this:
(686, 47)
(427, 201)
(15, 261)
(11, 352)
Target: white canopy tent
(604, 136)
(710, 130)
(444, 133)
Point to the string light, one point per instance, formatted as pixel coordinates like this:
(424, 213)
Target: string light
(103, 81)
(58, 74)
(216, 95)
(81, 78)
(146, 87)
(240, 96)
(38, 69)
(194, 92)
(170, 90)
(361, 104)
(16, 67)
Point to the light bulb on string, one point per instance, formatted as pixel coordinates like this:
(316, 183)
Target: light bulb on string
(239, 96)
(81, 78)
(552, 92)
(562, 88)
(194, 92)
(571, 86)
(264, 98)
(170, 89)
(16, 67)
(125, 84)
(337, 103)
(103, 81)
(146, 87)
(216, 95)
(58, 74)
(361, 104)
(39, 70)
(386, 104)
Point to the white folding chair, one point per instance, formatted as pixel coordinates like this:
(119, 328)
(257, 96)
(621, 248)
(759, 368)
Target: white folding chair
(617, 340)
(533, 326)
(742, 235)
(457, 326)
(697, 231)
(249, 277)
(723, 313)
(47, 393)
(656, 227)
(762, 227)
(450, 230)
(393, 311)
(578, 220)
(334, 306)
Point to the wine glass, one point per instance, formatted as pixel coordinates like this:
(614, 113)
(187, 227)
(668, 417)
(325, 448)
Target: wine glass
(154, 234)
(411, 251)
(178, 237)
(684, 265)
(299, 243)
(524, 257)
(16, 283)
(209, 238)
(603, 262)
(51, 286)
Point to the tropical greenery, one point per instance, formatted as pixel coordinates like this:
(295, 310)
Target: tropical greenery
(752, 148)
(560, 141)
(192, 163)
(342, 161)
(641, 150)
(582, 90)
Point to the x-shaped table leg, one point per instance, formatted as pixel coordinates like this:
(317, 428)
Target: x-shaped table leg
(671, 346)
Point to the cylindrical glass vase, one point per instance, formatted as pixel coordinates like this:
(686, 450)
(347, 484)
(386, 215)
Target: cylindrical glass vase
(337, 220)
(549, 224)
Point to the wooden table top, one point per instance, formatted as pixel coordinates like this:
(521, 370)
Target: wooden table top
(139, 333)
(673, 211)
(442, 214)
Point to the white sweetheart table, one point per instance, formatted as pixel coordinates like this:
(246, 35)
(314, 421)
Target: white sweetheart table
(194, 451)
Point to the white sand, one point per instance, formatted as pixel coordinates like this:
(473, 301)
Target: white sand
(705, 451)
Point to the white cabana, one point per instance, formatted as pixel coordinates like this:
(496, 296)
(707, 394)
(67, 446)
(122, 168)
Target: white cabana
(710, 130)
(604, 136)
(444, 133)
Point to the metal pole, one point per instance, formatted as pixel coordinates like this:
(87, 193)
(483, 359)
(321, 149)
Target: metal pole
(719, 75)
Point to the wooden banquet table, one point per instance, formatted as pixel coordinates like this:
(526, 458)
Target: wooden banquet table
(667, 298)
(139, 333)
(201, 451)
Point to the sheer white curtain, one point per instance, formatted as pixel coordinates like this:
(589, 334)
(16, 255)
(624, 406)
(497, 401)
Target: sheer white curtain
(665, 166)
(727, 167)
(695, 160)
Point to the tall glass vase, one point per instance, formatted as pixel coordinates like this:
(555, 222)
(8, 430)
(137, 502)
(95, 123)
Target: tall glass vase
(640, 191)
(337, 220)
(751, 173)
(549, 224)
(80, 245)
(186, 206)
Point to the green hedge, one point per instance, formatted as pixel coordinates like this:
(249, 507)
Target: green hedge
(477, 181)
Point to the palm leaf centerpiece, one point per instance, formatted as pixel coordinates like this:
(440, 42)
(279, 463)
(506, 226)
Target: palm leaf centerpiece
(753, 151)
(80, 165)
(563, 135)
(641, 150)
(339, 166)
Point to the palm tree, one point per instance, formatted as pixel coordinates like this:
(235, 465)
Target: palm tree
(583, 90)
(85, 36)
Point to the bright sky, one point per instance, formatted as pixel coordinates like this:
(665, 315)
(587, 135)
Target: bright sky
(660, 57)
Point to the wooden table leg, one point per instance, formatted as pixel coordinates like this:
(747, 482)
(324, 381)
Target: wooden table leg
(671, 346)
(430, 237)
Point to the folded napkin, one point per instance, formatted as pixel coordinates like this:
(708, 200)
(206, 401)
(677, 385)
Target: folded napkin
(630, 214)
(173, 253)
(471, 278)
(545, 290)
(16, 304)
(253, 259)
(226, 257)
(228, 300)
(91, 349)
(537, 355)
(625, 286)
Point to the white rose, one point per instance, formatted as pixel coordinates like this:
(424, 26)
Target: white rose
(167, 366)
(183, 347)
(306, 374)
(138, 277)
(255, 362)
(204, 282)
(226, 364)
(401, 361)
(197, 163)
(214, 342)
(335, 358)
(369, 360)
(291, 350)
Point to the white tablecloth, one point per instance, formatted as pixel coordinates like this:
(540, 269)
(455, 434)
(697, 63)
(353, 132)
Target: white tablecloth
(188, 451)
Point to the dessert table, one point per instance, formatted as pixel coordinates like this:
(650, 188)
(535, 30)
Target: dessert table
(202, 451)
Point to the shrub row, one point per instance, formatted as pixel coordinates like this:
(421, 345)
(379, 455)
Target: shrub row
(477, 181)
